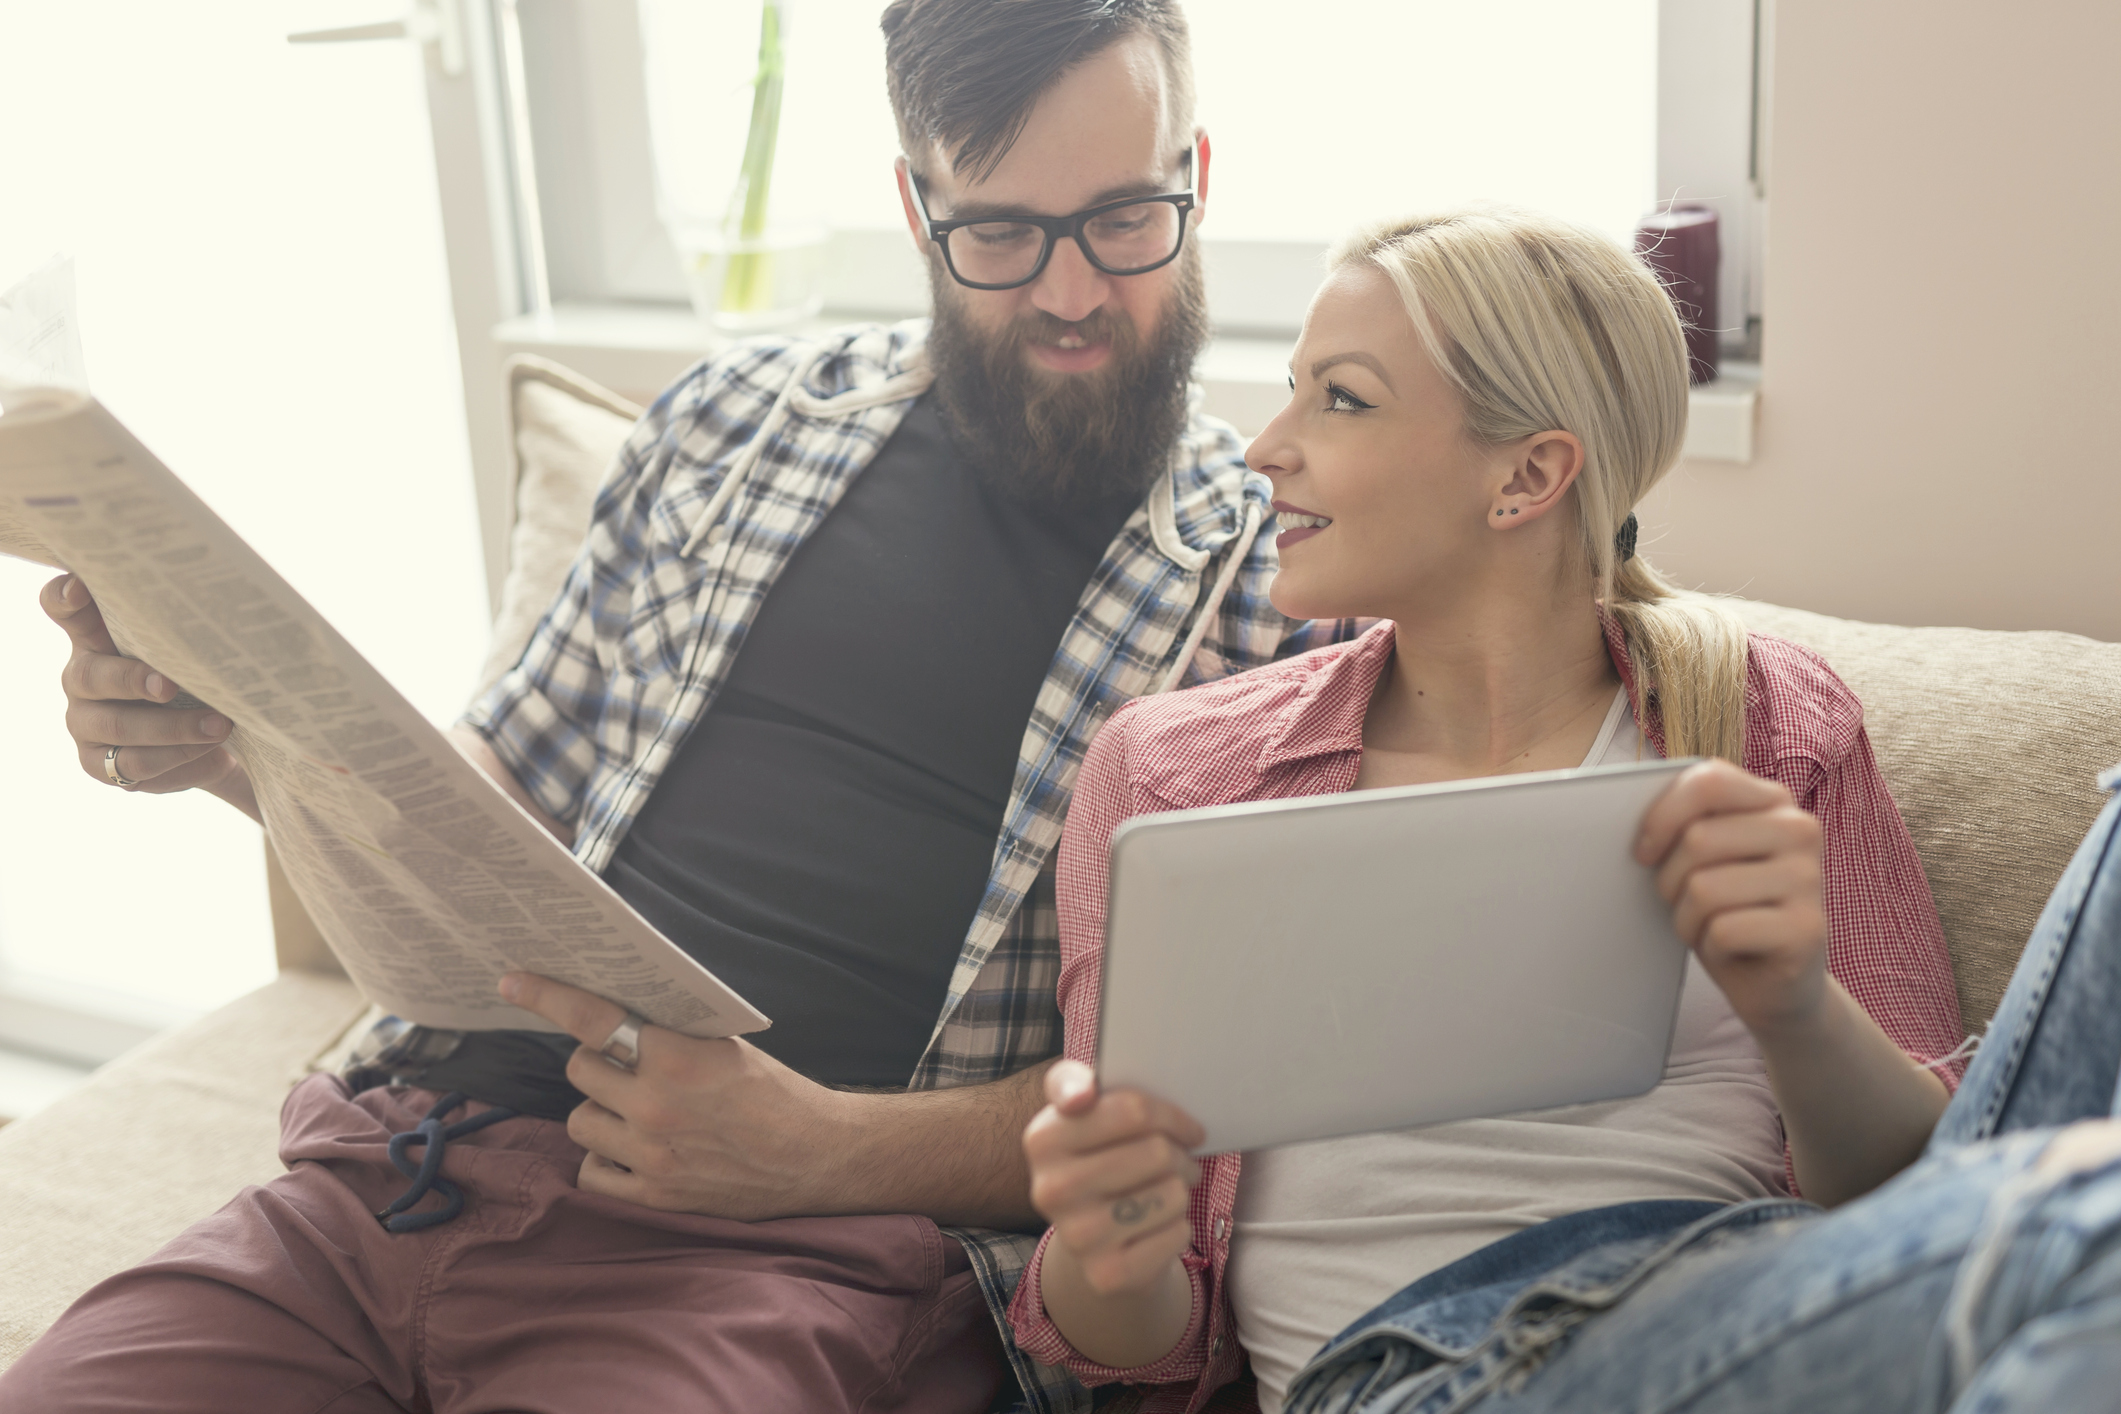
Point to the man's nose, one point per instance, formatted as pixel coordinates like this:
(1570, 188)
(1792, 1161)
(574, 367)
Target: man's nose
(1070, 287)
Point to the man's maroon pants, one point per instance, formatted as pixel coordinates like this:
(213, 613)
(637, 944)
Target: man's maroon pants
(539, 1297)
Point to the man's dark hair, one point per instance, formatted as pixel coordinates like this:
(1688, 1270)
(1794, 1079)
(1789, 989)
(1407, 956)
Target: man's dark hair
(965, 73)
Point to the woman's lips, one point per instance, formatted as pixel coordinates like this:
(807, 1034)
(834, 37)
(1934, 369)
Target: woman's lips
(1302, 524)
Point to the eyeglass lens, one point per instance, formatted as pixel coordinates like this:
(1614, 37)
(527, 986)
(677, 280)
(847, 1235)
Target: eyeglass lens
(1123, 240)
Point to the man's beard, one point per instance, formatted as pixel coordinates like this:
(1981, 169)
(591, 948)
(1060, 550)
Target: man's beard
(1068, 439)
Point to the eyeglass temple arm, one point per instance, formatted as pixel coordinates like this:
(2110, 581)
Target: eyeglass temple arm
(920, 203)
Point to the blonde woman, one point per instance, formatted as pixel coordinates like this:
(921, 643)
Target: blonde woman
(1480, 399)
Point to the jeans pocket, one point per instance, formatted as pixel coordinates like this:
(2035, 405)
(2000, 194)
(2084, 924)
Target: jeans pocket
(1538, 1324)
(1421, 1360)
(2043, 1229)
(1380, 1373)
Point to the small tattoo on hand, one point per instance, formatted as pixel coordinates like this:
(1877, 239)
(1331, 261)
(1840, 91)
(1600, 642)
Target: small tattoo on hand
(1133, 1210)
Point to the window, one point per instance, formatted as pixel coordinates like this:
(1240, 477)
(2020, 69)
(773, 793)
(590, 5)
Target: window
(1592, 109)
(1711, 140)
(1406, 105)
(1366, 110)
(263, 298)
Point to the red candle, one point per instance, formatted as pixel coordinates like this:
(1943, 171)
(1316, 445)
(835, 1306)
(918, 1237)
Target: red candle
(1681, 245)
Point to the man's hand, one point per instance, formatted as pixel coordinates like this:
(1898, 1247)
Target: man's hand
(1739, 861)
(112, 700)
(1113, 1173)
(716, 1127)
(722, 1128)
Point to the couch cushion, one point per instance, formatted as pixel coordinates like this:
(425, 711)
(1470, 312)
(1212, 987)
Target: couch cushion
(157, 1140)
(1991, 743)
(1989, 740)
(564, 432)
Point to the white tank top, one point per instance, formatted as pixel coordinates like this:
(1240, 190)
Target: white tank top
(1326, 1230)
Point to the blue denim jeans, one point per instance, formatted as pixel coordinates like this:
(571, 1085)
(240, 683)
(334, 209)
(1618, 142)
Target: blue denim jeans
(1974, 1281)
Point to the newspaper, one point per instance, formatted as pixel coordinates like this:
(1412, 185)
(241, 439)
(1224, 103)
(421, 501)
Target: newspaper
(40, 351)
(18, 540)
(426, 880)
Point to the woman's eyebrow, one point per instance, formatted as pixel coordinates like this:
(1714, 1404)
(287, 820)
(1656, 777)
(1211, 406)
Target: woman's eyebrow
(1366, 360)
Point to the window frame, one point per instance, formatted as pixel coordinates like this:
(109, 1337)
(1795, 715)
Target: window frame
(544, 154)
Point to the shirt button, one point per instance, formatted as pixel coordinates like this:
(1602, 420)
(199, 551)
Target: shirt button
(1220, 1227)
(1215, 1346)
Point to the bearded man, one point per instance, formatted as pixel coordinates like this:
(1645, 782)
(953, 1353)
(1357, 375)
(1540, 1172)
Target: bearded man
(812, 700)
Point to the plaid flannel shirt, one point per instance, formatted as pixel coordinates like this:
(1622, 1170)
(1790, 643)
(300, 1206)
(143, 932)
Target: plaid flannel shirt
(717, 486)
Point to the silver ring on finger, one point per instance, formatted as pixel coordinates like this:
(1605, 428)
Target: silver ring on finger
(623, 1046)
(111, 772)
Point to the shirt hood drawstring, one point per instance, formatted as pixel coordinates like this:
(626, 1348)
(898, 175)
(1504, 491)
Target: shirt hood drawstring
(910, 383)
(1240, 548)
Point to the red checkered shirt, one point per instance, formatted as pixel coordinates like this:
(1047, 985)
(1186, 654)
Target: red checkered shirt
(1295, 729)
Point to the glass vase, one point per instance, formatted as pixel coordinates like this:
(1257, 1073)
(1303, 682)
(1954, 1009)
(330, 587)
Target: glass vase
(733, 196)
(743, 285)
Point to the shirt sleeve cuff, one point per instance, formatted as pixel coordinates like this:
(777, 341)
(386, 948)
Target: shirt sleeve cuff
(1038, 1337)
(537, 744)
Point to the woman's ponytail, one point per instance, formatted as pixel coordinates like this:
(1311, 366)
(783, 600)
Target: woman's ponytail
(1688, 652)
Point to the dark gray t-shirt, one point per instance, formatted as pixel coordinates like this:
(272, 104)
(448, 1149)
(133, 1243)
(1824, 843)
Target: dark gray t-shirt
(822, 839)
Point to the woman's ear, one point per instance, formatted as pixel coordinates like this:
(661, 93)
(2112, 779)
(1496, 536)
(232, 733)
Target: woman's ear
(1541, 470)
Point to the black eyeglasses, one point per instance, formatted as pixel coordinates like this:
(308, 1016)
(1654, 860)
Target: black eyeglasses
(1131, 236)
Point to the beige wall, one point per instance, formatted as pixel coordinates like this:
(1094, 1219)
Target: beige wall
(1938, 439)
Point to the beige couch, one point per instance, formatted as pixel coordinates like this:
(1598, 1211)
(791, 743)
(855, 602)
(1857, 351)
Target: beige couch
(1990, 741)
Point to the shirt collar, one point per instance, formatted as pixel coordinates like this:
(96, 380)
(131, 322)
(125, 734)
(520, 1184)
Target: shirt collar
(1327, 716)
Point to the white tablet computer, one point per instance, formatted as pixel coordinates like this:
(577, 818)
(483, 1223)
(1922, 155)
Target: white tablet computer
(1296, 969)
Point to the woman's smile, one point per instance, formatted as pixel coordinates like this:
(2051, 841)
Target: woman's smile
(1301, 524)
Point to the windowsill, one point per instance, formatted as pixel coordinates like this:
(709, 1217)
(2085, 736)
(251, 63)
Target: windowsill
(75, 1024)
(639, 349)
(54, 1033)
(1720, 415)
(28, 1083)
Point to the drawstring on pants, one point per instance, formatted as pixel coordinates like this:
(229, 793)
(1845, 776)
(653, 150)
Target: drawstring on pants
(426, 1175)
